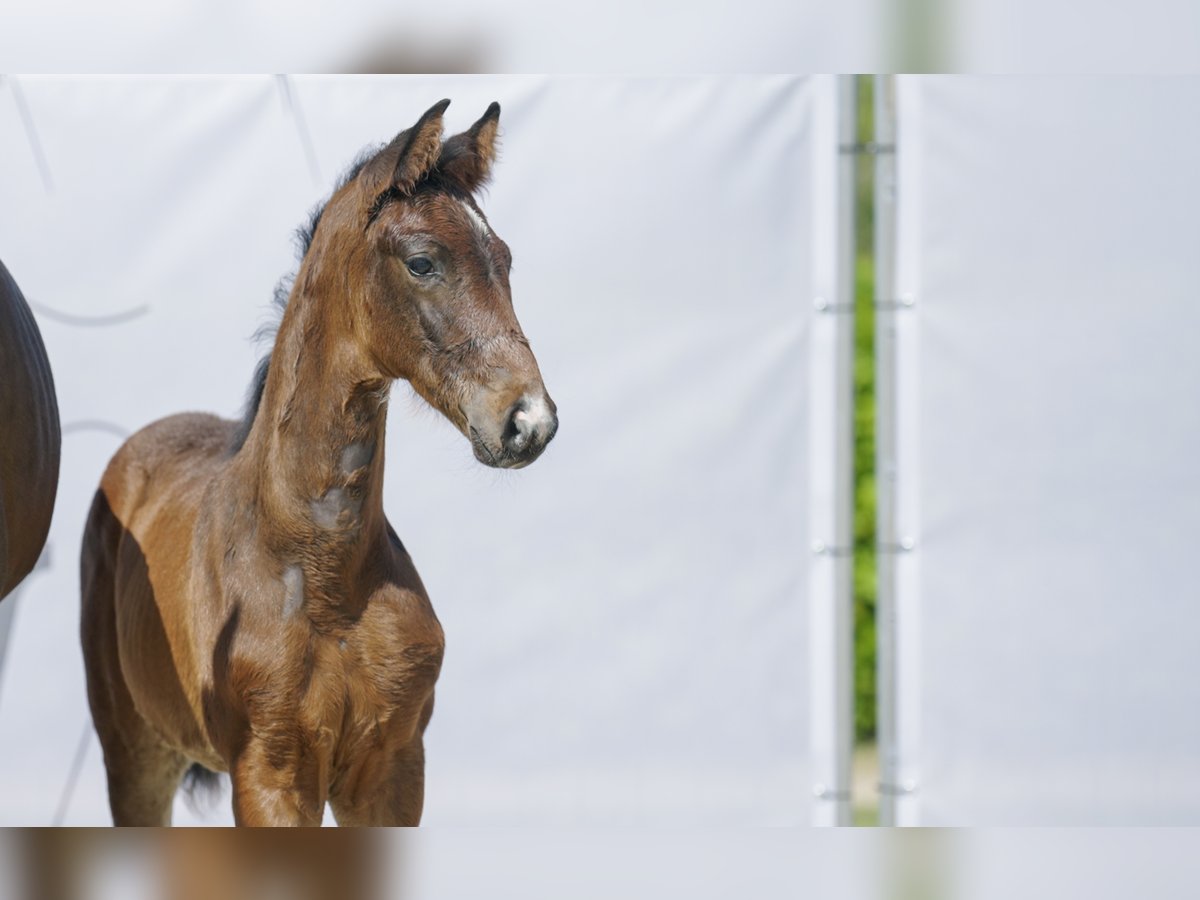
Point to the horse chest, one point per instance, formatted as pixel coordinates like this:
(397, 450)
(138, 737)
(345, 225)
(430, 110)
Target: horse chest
(372, 684)
(396, 672)
(348, 669)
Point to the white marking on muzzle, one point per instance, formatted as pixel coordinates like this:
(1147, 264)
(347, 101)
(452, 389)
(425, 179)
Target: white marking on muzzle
(536, 416)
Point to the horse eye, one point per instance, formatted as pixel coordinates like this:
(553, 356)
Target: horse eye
(420, 265)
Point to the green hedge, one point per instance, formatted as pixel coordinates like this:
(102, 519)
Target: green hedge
(864, 431)
(864, 503)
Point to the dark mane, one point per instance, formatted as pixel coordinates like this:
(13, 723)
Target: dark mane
(304, 237)
(434, 181)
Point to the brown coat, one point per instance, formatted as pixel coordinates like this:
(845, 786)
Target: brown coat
(247, 606)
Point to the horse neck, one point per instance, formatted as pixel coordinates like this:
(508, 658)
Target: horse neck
(315, 450)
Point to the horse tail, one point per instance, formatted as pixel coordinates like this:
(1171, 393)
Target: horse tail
(201, 788)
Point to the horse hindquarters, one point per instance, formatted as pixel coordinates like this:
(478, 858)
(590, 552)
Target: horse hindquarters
(143, 772)
(30, 437)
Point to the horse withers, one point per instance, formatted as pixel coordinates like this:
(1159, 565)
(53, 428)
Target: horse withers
(246, 606)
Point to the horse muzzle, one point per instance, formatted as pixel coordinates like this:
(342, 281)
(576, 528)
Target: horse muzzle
(525, 430)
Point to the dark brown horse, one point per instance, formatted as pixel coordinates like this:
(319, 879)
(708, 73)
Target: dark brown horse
(246, 606)
(30, 437)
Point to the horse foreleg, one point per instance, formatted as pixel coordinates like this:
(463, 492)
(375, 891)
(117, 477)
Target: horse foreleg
(265, 793)
(399, 800)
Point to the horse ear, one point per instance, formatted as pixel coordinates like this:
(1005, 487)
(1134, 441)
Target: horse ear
(410, 155)
(467, 158)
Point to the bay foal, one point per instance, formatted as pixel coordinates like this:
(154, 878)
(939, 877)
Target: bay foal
(246, 605)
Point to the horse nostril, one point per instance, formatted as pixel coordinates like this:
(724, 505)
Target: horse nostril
(530, 424)
(518, 430)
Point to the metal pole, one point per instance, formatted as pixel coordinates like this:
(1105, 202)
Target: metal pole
(887, 539)
(843, 513)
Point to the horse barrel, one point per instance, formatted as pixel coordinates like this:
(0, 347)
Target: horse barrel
(30, 437)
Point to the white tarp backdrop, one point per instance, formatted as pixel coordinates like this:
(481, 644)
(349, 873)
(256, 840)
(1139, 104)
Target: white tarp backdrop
(669, 238)
(1049, 433)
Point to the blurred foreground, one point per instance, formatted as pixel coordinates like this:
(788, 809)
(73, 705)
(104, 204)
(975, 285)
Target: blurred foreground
(532, 864)
(1043, 36)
